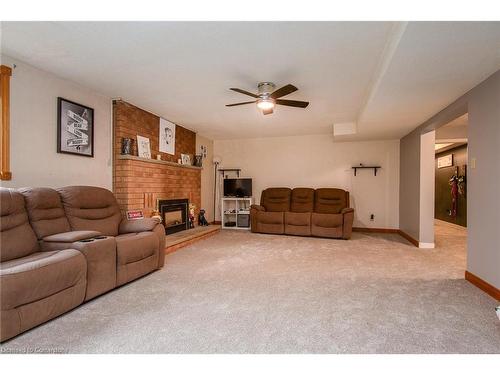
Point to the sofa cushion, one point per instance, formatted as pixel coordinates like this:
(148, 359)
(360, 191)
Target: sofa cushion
(91, 208)
(132, 247)
(17, 238)
(330, 200)
(327, 220)
(40, 275)
(45, 211)
(137, 254)
(298, 224)
(276, 199)
(302, 200)
(73, 236)
(264, 217)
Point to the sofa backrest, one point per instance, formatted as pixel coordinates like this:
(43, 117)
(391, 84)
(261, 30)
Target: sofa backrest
(17, 238)
(91, 208)
(330, 200)
(45, 211)
(276, 199)
(302, 200)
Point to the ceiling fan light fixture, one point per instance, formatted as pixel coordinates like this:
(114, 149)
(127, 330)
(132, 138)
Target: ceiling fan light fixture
(265, 104)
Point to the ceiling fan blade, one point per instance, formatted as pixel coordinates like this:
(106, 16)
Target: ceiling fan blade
(232, 105)
(244, 92)
(285, 90)
(292, 103)
(267, 111)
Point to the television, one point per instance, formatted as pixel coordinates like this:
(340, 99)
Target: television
(238, 187)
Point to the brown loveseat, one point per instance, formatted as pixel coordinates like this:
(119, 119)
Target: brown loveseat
(62, 247)
(303, 212)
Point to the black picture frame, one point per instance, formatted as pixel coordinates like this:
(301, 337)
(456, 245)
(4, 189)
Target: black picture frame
(75, 128)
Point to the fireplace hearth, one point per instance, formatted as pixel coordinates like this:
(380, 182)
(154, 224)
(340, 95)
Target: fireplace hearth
(174, 213)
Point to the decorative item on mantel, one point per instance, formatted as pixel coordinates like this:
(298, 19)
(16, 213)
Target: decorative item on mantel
(198, 160)
(127, 144)
(361, 166)
(143, 147)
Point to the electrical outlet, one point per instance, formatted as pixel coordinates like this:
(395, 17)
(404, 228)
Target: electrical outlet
(372, 217)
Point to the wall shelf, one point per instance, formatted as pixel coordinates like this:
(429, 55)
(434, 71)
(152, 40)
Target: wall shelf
(156, 161)
(375, 167)
(224, 170)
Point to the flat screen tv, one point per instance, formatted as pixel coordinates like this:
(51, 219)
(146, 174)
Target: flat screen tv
(238, 187)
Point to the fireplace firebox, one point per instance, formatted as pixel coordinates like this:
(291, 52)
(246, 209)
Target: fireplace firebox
(174, 213)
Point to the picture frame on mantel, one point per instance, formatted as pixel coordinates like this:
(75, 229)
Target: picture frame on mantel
(143, 147)
(75, 128)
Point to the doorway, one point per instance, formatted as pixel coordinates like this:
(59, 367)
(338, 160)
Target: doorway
(450, 196)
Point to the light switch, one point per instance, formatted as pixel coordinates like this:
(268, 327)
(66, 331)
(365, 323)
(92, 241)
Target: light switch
(473, 163)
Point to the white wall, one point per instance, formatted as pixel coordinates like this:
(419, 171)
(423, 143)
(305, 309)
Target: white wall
(207, 176)
(317, 161)
(33, 120)
(483, 181)
(427, 189)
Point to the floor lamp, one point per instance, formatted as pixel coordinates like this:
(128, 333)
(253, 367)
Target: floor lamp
(216, 162)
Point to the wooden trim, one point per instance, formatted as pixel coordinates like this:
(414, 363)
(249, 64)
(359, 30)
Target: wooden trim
(483, 285)
(174, 248)
(409, 238)
(375, 230)
(5, 74)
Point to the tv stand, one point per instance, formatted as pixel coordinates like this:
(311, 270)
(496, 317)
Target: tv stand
(235, 213)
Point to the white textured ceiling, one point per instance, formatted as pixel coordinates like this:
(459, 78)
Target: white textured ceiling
(390, 77)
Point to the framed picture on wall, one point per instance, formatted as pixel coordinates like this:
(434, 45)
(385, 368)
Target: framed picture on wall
(167, 137)
(75, 128)
(445, 161)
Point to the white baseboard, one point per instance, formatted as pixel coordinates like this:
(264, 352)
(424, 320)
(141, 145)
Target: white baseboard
(426, 245)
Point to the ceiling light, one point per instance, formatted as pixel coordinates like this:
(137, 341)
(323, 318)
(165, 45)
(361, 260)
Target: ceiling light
(265, 104)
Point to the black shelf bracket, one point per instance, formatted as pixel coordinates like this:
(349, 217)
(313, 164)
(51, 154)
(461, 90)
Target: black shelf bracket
(366, 167)
(224, 170)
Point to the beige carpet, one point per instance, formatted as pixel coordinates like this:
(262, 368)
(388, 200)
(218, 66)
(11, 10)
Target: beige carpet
(238, 292)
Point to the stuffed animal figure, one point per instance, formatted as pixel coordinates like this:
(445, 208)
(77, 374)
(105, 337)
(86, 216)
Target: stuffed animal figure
(201, 218)
(192, 207)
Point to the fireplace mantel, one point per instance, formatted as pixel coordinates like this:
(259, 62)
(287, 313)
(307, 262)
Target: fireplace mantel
(164, 162)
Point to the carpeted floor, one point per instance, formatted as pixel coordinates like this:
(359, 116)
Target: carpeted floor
(239, 292)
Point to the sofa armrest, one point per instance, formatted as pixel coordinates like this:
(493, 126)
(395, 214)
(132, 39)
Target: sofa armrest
(348, 219)
(141, 225)
(73, 236)
(257, 207)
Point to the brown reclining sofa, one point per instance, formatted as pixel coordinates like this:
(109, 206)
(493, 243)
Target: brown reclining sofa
(303, 212)
(62, 247)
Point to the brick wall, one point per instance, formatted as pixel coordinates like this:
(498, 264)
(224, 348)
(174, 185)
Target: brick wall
(138, 184)
(130, 121)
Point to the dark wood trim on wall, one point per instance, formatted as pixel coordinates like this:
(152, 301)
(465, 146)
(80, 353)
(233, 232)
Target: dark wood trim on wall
(409, 238)
(387, 230)
(375, 230)
(483, 285)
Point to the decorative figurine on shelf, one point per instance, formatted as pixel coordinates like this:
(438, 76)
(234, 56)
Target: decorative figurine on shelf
(192, 207)
(201, 218)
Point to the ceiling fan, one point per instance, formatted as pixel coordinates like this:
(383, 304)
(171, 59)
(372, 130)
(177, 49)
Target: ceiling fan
(268, 97)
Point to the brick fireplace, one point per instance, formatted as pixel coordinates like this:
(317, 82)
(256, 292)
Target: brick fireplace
(142, 183)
